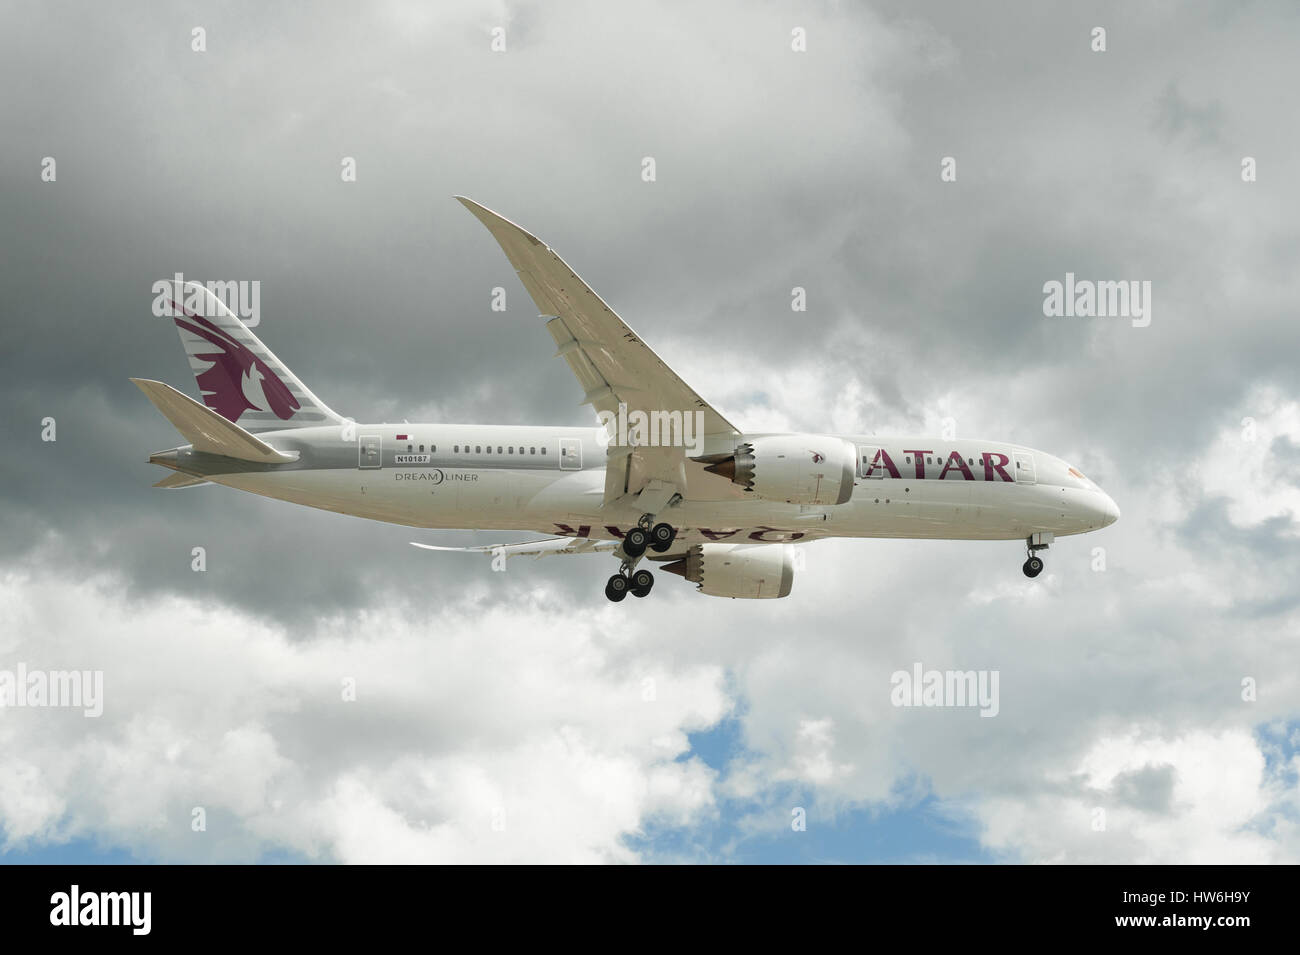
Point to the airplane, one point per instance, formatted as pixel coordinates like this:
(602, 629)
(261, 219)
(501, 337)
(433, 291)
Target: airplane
(662, 478)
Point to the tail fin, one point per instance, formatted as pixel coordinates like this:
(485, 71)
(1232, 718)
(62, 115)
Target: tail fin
(238, 376)
(207, 430)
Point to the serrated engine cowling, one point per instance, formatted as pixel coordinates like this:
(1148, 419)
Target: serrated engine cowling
(796, 468)
(749, 571)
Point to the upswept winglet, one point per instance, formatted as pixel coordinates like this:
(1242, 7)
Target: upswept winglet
(612, 364)
(610, 361)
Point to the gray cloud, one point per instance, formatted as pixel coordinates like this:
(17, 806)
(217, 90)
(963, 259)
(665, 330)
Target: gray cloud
(1150, 789)
(819, 170)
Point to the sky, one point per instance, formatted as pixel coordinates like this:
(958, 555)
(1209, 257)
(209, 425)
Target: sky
(1149, 701)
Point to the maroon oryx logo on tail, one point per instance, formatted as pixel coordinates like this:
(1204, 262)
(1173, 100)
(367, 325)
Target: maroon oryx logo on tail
(238, 380)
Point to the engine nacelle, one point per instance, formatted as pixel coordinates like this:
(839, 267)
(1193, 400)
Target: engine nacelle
(796, 468)
(738, 570)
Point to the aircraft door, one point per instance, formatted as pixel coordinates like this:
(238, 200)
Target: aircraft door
(1024, 467)
(369, 451)
(570, 454)
(866, 455)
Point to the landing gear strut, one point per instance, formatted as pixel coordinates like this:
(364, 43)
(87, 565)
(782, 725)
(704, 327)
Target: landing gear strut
(1033, 565)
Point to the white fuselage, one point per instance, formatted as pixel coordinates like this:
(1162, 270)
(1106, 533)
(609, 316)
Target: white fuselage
(552, 480)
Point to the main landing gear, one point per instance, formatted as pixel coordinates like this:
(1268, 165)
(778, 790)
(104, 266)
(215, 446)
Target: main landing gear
(617, 587)
(1033, 565)
(639, 539)
(658, 538)
(639, 583)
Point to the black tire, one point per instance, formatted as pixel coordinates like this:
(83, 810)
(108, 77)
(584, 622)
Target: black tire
(616, 588)
(662, 537)
(642, 580)
(636, 541)
(1033, 567)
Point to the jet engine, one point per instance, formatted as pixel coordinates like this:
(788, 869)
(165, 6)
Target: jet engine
(796, 468)
(738, 570)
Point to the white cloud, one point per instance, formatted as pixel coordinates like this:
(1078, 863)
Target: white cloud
(480, 733)
(1243, 466)
(1220, 795)
(508, 722)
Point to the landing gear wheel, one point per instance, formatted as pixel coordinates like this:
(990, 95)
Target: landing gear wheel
(1033, 567)
(642, 582)
(662, 537)
(616, 588)
(636, 541)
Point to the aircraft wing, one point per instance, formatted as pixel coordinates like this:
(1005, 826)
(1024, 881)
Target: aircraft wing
(534, 549)
(179, 479)
(611, 362)
(551, 546)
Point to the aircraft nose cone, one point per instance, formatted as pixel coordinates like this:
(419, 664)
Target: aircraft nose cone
(1109, 510)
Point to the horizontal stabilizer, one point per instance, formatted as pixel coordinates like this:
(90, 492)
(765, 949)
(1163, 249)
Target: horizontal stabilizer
(179, 479)
(205, 429)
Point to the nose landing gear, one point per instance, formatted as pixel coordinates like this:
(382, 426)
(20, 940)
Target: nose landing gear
(1033, 565)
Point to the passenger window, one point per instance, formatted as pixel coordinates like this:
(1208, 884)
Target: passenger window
(498, 449)
(532, 450)
(543, 450)
(421, 449)
(909, 459)
(489, 450)
(478, 449)
(456, 449)
(432, 448)
(410, 448)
